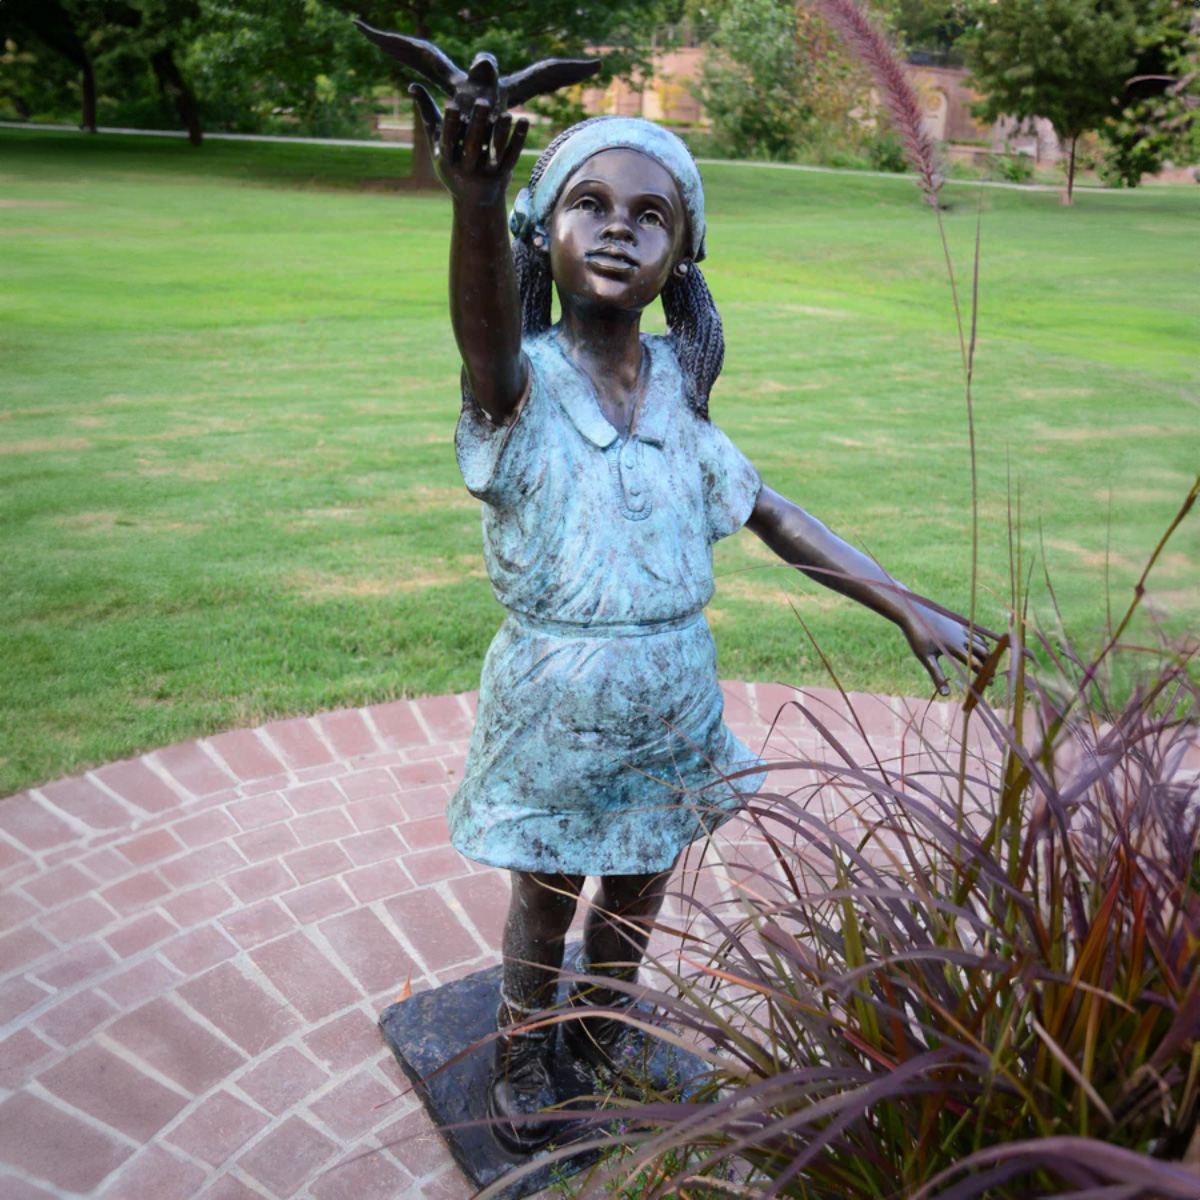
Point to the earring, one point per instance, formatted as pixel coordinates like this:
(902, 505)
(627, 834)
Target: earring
(540, 240)
(681, 269)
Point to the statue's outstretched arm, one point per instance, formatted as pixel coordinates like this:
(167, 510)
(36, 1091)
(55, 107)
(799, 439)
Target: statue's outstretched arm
(475, 147)
(474, 157)
(802, 541)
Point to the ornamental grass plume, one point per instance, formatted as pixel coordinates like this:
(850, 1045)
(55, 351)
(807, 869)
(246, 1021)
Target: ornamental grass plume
(979, 986)
(900, 98)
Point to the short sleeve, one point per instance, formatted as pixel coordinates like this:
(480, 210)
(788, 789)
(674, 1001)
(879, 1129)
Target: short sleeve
(497, 461)
(730, 480)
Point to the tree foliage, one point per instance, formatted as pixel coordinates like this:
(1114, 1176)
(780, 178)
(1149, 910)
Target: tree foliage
(269, 65)
(276, 66)
(45, 59)
(121, 51)
(777, 84)
(517, 34)
(1159, 119)
(1069, 61)
(930, 25)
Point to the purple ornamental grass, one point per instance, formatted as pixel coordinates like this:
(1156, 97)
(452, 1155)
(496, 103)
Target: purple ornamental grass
(993, 988)
(989, 987)
(865, 41)
(872, 48)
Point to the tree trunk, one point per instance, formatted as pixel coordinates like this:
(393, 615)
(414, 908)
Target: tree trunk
(87, 119)
(173, 87)
(53, 25)
(1069, 198)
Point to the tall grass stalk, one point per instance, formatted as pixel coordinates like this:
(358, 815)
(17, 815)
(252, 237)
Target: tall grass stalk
(992, 993)
(905, 111)
(993, 990)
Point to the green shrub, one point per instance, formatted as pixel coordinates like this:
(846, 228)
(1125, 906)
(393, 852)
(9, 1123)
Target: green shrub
(886, 153)
(1012, 168)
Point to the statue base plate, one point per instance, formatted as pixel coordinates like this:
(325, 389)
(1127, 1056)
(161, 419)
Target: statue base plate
(429, 1030)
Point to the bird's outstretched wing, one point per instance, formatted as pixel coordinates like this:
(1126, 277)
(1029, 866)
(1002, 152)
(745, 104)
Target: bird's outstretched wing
(483, 81)
(423, 57)
(547, 76)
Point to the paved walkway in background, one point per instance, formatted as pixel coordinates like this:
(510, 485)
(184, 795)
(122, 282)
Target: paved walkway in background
(196, 945)
(731, 162)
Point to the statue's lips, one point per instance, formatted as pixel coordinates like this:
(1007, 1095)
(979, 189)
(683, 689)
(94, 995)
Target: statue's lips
(612, 261)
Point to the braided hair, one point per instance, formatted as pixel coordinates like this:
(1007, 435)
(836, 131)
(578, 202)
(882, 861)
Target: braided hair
(692, 317)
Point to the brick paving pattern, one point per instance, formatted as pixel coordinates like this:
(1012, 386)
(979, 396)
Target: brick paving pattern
(196, 945)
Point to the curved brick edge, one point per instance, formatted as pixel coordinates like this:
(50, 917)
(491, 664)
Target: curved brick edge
(196, 944)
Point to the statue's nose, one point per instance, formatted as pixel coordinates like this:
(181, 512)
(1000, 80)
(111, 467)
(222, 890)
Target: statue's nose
(619, 228)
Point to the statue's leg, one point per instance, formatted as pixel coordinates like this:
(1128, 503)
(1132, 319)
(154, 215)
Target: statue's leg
(539, 915)
(522, 1078)
(614, 940)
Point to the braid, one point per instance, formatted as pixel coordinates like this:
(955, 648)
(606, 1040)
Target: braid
(695, 325)
(535, 286)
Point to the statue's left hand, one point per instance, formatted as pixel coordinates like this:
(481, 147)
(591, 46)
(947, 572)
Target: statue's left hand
(473, 157)
(931, 634)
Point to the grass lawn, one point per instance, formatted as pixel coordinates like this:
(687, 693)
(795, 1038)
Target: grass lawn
(228, 391)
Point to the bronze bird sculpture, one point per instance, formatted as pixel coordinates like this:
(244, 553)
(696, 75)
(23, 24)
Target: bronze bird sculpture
(482, 81)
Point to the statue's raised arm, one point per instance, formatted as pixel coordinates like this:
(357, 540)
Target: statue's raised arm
(475, 146)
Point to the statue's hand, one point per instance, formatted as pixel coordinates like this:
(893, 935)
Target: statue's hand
(931, 634)
(474, 157)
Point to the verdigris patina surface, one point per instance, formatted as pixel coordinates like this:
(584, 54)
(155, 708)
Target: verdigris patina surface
(600, 548)
(600, 746)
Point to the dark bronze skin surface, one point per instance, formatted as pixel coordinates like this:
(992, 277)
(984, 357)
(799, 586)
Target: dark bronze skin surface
(616, 235)
(482, 80)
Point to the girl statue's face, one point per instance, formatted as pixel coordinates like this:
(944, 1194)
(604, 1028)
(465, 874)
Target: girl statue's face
(617, 231)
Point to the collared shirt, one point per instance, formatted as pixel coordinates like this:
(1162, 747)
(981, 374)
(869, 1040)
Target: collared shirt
(582, 526)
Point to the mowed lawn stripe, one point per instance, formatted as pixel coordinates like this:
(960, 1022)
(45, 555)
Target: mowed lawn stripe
(228, 391)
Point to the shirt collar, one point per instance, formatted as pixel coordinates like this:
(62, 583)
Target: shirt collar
(578, 398)
(654, 414)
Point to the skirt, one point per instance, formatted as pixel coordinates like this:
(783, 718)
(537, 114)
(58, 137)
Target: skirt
(598, 750)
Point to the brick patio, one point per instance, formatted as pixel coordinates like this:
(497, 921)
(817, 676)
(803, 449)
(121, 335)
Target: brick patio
(196, 944)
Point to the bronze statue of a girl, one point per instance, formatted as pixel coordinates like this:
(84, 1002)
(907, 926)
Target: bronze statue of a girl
(600, 747)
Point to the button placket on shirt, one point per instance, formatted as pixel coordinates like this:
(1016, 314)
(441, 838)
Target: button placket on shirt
(635, 503)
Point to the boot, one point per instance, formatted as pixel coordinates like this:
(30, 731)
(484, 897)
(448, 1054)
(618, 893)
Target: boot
(522, 1080)
(597, 1042)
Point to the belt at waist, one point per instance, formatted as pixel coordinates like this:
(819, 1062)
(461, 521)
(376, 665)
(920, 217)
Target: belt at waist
(616, 629)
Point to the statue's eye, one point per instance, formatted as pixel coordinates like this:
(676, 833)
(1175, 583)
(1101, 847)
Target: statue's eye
(651, 217)
(588, 204)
